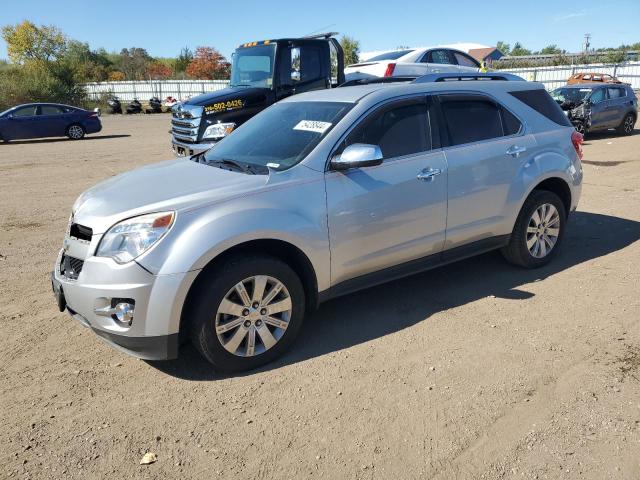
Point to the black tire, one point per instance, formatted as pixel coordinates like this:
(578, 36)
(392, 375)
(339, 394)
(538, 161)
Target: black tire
(627, 125)
(214, 286)
(75, 131)
(517, 252)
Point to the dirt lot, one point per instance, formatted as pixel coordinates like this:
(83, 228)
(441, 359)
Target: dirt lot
(475, 370)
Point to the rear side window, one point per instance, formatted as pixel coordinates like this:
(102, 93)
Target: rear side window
(473, 119)
(542, 103)
(439, 56)
(50, 110)
(398, 130)
(615, 92)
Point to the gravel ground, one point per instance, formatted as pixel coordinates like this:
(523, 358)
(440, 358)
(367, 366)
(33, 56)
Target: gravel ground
(474, 370)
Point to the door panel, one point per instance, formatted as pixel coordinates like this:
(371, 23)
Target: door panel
(383, 216)
(22, 124)
(598, 109)
(52, 121)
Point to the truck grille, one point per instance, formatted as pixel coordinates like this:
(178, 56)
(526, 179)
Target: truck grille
(71, 267)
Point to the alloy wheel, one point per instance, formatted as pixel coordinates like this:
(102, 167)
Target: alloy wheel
(543, 230)
(628, 124)
(253, 316)
(75, 132)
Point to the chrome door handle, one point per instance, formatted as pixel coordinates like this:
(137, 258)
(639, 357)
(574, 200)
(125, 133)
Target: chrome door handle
(516, 150)
(428, 174)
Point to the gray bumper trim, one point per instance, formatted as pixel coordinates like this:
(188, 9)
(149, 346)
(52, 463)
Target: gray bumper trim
(164, 347)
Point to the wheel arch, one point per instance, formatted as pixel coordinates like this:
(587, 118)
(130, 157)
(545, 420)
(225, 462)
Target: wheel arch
(558, 186)
(280, 249)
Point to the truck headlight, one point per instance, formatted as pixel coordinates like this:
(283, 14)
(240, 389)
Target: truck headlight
(218, 130)
(132, 237)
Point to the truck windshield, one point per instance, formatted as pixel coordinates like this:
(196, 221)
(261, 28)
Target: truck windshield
(253, 66)
(280, 136)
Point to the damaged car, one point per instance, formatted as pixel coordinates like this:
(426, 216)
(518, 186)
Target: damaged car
(592, 107)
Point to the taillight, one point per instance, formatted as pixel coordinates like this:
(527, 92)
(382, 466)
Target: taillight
(94, 115)
(390, 68)
(576, 139)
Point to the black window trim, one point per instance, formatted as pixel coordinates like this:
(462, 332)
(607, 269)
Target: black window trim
(426, 97)
(444, 129)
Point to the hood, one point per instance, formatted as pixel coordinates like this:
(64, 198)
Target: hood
(225, 94)
(172, 185)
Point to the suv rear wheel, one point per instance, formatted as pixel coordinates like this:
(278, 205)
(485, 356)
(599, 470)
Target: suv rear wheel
(247, 312)
(626, 127)
(538, 230)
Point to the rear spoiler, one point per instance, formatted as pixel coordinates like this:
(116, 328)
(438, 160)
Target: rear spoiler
(448, 77)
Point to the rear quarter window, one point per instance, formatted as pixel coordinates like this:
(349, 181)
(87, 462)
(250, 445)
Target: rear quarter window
(541, 102)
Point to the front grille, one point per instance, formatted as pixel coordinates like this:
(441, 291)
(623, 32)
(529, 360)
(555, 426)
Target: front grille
(71, 267)
(179, 123)
(80, 232)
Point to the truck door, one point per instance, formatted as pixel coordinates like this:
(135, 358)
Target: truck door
(303, 65)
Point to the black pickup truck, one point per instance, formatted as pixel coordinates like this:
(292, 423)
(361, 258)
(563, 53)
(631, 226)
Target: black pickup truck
(261, 74)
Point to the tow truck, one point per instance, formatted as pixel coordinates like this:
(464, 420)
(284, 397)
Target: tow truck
(262, 73)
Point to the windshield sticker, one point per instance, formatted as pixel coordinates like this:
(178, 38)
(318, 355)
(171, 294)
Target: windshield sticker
(312, 126)
(224, 106)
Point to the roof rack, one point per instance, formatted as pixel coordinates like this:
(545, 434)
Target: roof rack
(369, 81)
(448, 77)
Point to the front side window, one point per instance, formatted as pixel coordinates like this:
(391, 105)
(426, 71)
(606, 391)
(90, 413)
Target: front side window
(280, 136)
(253, 66)
(398, 130)
(597, 95)
(473, 119)
(439, 56)
(465, 61)
(25, 111)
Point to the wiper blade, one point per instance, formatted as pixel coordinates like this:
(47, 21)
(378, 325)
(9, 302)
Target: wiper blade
(245, 168)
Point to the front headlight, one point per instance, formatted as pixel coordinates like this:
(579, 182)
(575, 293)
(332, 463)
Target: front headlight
(132, 237)
(218, 130)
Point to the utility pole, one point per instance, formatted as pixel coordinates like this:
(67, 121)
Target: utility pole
(587, 42)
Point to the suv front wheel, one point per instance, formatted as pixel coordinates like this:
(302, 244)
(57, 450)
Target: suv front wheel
(247, 312)
(538, 230)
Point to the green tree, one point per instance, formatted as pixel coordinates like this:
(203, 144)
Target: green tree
(351, 48)
(505, 48)
(184, 59)
(552, 50)
(27, 41)
(133, 62)
(519, 50)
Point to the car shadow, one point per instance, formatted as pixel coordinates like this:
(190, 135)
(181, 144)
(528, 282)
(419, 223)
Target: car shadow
(388, 308)
(64, 139)
(603, 134)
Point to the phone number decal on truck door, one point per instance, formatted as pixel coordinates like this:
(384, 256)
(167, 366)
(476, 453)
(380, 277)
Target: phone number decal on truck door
(224, 106)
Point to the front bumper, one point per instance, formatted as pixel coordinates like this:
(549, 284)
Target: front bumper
(154, 331)
(184, 149)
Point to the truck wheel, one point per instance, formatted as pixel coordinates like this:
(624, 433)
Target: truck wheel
(246, 313)
(626, 127)
(75, 131)
(538, 231)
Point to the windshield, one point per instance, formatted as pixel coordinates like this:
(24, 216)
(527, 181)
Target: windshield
(573, 95)
(280, 136)
(253, 66)
(389, 55)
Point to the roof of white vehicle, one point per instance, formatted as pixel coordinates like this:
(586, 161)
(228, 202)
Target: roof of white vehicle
(356, 93)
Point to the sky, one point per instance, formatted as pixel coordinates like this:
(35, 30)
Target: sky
(163, 27)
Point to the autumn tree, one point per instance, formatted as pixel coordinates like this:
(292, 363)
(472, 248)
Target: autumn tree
(27, 41)
(158, 71)
(208, 64)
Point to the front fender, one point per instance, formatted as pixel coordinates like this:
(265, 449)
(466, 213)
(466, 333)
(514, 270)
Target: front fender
(202, 234)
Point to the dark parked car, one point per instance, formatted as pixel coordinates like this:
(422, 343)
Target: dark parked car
(36, 120)
(592, 107)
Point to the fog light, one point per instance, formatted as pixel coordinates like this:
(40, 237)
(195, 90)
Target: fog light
(121, 310)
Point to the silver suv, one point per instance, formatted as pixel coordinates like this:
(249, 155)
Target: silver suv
(319, 195)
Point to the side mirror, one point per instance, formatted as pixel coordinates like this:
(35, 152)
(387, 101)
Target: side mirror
(357, 155)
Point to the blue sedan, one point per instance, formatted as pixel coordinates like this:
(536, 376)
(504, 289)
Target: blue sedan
(37, 120)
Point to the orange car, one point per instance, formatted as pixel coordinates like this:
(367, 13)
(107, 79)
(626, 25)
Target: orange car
(591, 78)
